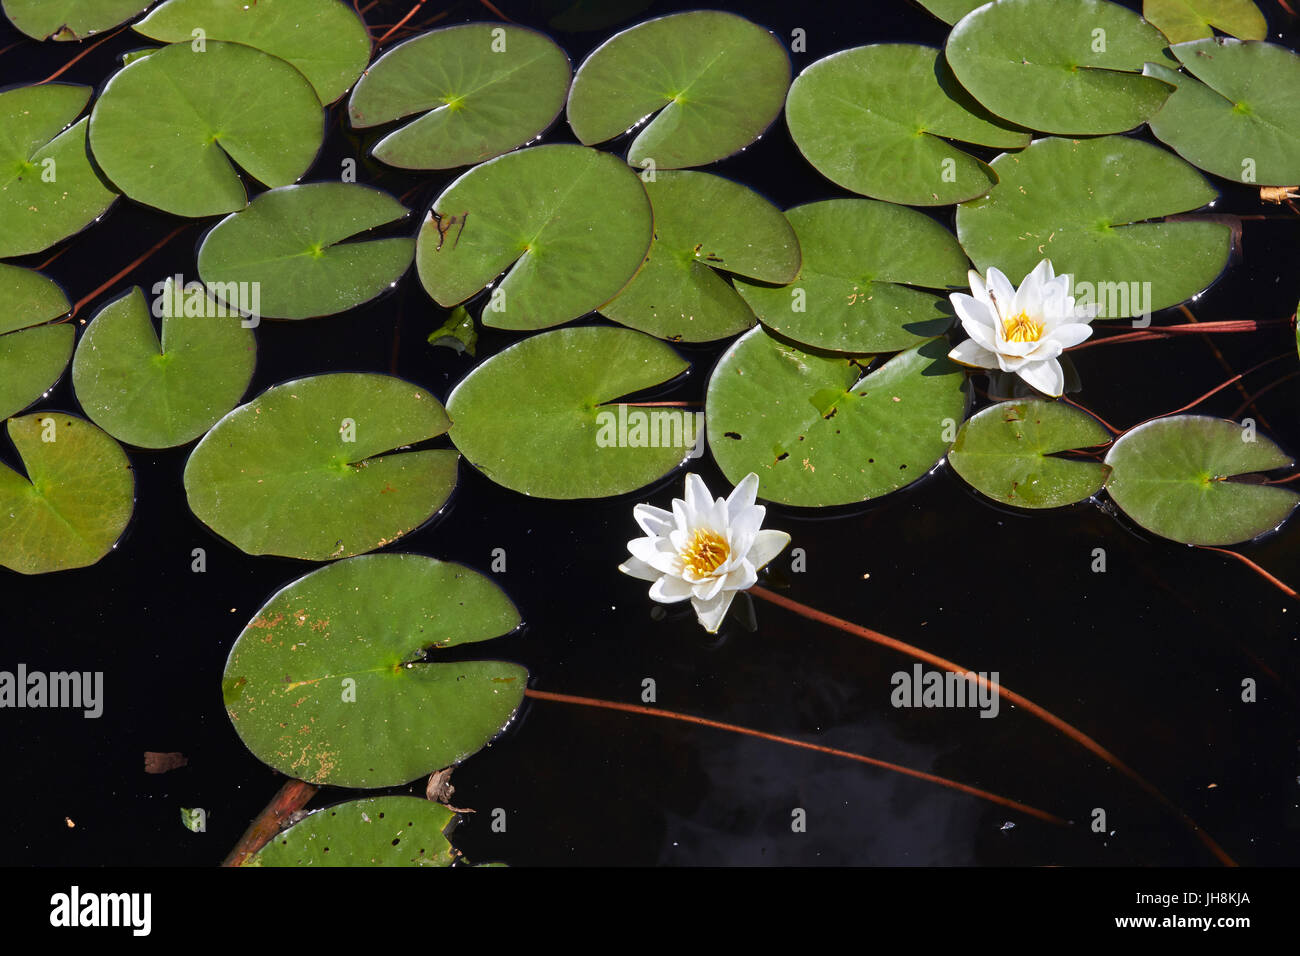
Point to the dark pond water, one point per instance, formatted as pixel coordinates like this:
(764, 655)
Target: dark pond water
(1147, 657)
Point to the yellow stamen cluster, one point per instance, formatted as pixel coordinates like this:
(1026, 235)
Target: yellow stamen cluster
(705, 552)
(1022, 328)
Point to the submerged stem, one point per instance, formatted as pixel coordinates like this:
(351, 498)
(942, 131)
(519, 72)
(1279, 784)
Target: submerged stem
(802, 744)
(1012, 697)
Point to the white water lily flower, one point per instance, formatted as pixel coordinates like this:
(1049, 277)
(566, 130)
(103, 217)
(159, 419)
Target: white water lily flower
(704, 549)
(1021, 330)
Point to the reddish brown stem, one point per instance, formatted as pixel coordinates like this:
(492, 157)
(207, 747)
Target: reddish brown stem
(67, 66)
(134, 264)
(1010, 696)
(493, 8)
(398, 25)
(1224, 364)
(802, 744)
(1250, 399)
(293, 796)
(1281, 586)
(1166, 331)
(1111, 428)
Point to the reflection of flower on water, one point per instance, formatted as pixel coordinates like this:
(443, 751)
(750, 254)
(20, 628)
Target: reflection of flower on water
(705, 549)
(1021, 330)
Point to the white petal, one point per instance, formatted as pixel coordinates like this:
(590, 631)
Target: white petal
(712, 612)
(742, 497)
(669, 590)
(1001, 291)
(1029, 297)
(1047, 349)
(978, 289)
(707, 589)
(681, 518)
(1071, 334)
(737, 549)
(973, 354)
(742, 578)
(975, 319)
(639, 569)
(653, 521)
(767, 545)
(745, 525)
(653, 552)
(698, 499)
(1047, 377)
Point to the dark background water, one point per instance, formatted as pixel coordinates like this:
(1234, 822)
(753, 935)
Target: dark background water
(1147, 657)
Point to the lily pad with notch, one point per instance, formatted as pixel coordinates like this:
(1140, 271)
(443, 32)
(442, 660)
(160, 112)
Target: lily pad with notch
(34, 350)
(568, 225)
(862, 285)
(50, 190)
(820, 430)
(712, 81)
(156, 393)
(167, 128)
(1010, 452)
(301, 470)
(289, 244)
(70, 19)
(75, 500)
(1071, 67)
(1183, 20)
(1196, 479)
(480, 90)
(337, 681)
(1236, 115)
(324, 39)
(705, 227)
(541, 416)
(376, 831)
(1101, 210)
(877, 120)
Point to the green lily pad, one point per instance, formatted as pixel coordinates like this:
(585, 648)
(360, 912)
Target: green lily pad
(1242, 121)
(75, 501)
(33, 353)
(818, 431)
(1183, 20)
(571, 225)
(713, 80)
(166, 128)
(481, 89)
(380, 831)
(1173, 477)
(328, 683)
(50, 190)
(69, 19)
(324, 39)
(160, 394)
(1062, 66)
(950, 11)
(539, 417)
(876, 120)
(704, 226)
(300, 471)
(855, 291)
(288, 244)
(1095, 207)
(1008, 453)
